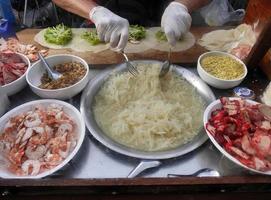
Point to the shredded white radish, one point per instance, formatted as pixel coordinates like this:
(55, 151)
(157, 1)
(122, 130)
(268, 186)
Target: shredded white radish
(147, 114)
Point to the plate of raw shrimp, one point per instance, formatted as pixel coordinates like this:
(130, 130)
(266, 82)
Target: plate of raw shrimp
(38, 138)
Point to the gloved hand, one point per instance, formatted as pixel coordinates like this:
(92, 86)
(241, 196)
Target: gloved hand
(110, 27)
(176, 21)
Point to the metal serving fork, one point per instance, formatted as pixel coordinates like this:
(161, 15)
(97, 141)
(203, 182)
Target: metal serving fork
(131, 68)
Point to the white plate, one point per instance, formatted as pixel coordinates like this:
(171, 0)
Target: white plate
(69, 109)
(207, 113)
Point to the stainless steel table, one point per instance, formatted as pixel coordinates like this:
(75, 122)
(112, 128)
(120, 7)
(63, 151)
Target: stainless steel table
(96, 161)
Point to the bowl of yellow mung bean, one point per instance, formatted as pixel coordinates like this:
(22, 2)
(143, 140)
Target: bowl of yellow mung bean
(221, 70)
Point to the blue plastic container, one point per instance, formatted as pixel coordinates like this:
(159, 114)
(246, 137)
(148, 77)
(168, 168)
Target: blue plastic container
(6, 11)
(7, 20)
(6, 29)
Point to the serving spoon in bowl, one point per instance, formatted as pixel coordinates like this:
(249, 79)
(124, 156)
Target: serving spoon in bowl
(166, 65)
(54, 75)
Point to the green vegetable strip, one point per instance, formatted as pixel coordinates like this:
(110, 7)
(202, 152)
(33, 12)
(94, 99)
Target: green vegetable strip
(136, 32)
(91, 37)
(160, 35)
(59, 34)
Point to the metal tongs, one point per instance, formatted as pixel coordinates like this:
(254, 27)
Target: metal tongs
(205, 172)
(147, 164)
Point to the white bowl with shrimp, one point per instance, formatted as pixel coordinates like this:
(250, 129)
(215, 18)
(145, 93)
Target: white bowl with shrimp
(207, 115)
(78, 136)
(20, 83)
(34, 74)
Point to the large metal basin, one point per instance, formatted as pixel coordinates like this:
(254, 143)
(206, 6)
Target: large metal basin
(95, 84)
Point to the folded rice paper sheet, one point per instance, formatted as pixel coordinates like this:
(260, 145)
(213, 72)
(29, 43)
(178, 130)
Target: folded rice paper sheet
(227, 40)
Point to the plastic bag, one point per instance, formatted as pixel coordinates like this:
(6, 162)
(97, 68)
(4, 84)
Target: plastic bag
(220, 12)
(6, 29)
(7, 19)
(6, 11)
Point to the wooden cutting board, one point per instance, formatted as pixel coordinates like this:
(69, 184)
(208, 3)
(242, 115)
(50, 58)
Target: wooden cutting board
(110, 57)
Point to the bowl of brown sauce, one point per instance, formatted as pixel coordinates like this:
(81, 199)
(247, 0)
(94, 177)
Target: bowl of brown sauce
(74, 77)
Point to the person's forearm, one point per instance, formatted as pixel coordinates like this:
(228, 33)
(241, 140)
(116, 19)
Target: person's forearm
(78, 7)
(193, 5)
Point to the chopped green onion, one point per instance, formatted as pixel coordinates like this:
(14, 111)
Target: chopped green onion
(136, 33)
(91, 37)
(59, 34)
(160, 36)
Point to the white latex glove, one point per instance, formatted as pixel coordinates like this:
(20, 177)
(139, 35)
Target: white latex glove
(176, 21)
(110, 27)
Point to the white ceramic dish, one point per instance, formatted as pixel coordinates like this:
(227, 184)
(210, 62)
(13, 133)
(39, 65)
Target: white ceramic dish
(217, 82)
(69, 109)
(20, 83)
(34, 74)
(207, 114)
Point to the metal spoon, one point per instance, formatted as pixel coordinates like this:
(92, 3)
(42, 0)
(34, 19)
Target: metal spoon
(166, 65)
(205, 172)
(51, 73)
(142, 166)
